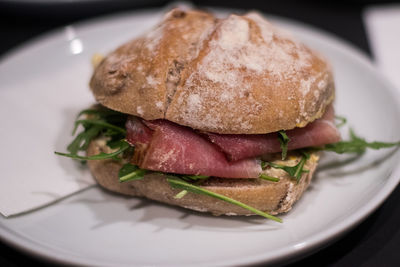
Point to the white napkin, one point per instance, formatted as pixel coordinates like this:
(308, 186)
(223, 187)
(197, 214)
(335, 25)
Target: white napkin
(383, 29)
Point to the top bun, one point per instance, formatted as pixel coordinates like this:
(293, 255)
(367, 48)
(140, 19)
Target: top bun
(237, 75)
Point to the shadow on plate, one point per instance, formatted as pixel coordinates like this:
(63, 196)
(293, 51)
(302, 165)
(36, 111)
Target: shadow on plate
(110, 208)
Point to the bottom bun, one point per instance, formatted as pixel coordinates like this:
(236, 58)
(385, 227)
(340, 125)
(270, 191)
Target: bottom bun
(270, 197)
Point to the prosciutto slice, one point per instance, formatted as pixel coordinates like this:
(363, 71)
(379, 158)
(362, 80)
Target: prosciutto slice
(239, 146)
(137, 133)
(161, 145)
(177, 149)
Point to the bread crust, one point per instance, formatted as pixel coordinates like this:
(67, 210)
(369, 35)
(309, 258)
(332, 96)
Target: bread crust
(271, 197)
(237, 75)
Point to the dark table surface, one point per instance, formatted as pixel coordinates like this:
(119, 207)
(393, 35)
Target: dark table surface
(375, 242)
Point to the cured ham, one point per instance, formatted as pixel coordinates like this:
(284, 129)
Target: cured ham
(178, 149)
(161, 145)
(137, 132)
(238, 146)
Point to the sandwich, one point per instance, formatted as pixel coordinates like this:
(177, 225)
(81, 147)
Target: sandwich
(220, 115)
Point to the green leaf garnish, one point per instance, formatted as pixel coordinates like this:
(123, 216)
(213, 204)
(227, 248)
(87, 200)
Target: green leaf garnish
(357, 145)
(130, 172)
(180, 184)
(99, 113)
(114, 155)
(342, 121)
(268, 178)
(196, 177)
(82, 140)
(99, 121)
(283, 140)
(103, 124)
(294, 171)
(181, 194)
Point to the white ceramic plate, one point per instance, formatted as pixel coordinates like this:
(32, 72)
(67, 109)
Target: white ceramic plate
(98, 228)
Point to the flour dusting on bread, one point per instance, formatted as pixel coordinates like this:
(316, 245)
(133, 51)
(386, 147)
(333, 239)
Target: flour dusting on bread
(245, 55)
(194, 64)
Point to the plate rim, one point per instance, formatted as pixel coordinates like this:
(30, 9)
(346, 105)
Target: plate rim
(16, 240)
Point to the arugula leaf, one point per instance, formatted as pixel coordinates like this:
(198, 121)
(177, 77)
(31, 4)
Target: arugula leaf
(115, 143)
(342, 121)
(113, 117)
(357, 145)
(294, 171)
(82, 141)
(197, 179)
(180, 184)
(268, 178)
(181, 194)
(193, 178)
(99, 121)
(283, 140)
(130, 172)
(99, 112)
(114, 155)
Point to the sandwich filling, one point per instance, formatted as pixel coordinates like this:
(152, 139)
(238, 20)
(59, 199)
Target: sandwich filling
(164, 146)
